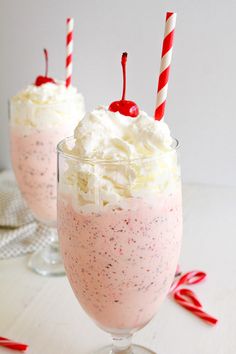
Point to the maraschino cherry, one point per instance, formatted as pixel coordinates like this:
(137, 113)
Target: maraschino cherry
(127, 108)
(41, 80)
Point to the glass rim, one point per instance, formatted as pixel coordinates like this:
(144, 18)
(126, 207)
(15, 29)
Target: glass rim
(175, 147)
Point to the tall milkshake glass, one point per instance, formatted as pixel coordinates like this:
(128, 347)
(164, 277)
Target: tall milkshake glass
(120, 229)
(40, 116)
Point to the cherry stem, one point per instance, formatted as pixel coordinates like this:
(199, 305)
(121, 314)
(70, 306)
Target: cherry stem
(123, 63)
(46, 62)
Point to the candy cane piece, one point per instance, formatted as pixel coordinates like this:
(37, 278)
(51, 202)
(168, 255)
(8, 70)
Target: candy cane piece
(187, 299)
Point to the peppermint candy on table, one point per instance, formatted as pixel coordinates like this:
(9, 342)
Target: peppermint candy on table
(193, 277)
(187, 298)
(10, 344)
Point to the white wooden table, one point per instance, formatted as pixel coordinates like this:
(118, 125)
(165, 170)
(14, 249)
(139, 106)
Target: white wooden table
(44, 313)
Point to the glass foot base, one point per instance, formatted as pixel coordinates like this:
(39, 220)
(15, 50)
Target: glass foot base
(136, 349)
(47, 261)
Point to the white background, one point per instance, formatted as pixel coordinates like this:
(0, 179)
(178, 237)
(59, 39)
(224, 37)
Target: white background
(201, 100)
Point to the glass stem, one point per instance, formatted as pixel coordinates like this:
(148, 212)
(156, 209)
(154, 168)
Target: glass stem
(122, 345)
(54, 235)
(51, 253)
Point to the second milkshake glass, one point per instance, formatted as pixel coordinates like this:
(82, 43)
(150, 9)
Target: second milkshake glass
(120, 255)
(35, 130)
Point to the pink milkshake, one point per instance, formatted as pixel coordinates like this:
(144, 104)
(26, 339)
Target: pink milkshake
(119, 216)
(40, 117)
(118, 257)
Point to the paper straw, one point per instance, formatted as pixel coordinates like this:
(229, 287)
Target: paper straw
(166, 56)
(69, 50)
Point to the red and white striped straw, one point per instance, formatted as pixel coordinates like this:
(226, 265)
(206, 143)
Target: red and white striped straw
(69, 50)
(166, 57)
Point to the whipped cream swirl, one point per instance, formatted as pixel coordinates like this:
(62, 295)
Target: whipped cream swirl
(47, 105)
(111, 136)
(126, 157)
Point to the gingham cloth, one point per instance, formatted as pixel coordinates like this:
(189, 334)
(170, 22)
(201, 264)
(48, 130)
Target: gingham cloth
(20, 233)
